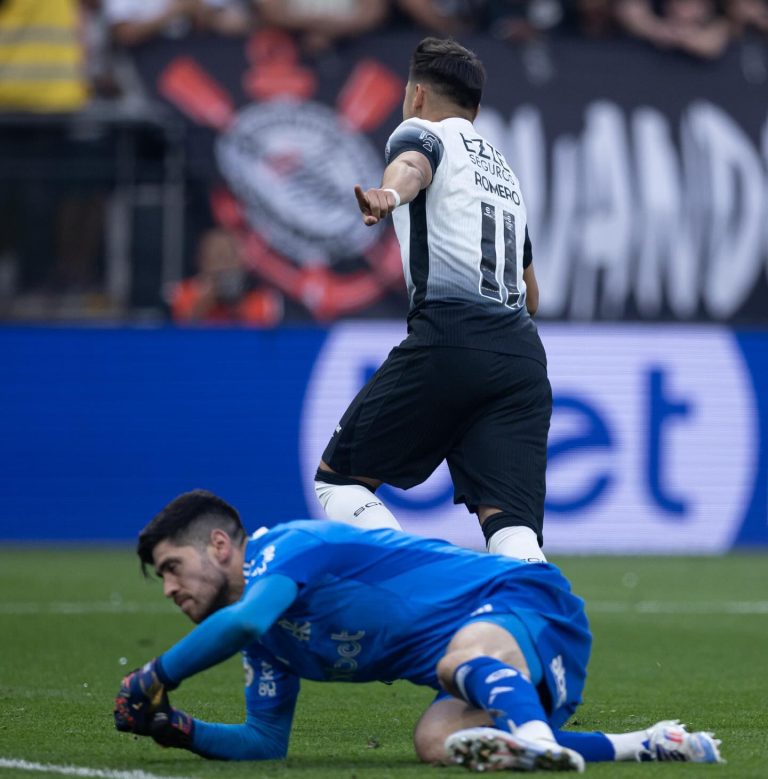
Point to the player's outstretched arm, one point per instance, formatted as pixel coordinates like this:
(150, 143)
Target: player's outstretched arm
(229, 630)
(403, 179)
(264, 735)
(259, 738)
(143, 694)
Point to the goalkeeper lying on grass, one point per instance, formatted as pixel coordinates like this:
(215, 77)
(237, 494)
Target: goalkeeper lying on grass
(505, 643)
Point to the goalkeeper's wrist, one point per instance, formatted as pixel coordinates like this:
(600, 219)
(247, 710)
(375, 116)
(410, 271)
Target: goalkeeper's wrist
(162, 674)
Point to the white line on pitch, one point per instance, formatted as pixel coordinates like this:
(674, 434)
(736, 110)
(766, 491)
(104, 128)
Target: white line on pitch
(672, 607)
(602, 607)
(72, 770)
(94, 607)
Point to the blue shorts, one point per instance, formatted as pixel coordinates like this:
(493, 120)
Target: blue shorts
(555, 642)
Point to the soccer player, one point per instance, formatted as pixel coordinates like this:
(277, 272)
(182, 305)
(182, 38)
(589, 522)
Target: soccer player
(507, 643)
(469, 383)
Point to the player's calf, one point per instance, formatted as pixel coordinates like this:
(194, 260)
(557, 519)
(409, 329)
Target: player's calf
(504, 535)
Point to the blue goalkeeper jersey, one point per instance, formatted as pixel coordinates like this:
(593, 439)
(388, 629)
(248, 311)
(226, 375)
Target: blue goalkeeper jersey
(376, 605)
(330, 602)
(383, 605)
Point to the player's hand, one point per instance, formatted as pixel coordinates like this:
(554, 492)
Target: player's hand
(374, 204)
(172, 728)
(141, 694)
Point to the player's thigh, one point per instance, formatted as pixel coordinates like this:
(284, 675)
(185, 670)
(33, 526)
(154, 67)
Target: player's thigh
(501, 458)
(505, 639)
(401, 424)
(481, 638)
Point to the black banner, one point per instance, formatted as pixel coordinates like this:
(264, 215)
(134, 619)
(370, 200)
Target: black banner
(644, 172)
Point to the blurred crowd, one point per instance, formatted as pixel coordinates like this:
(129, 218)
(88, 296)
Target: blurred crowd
(62, 56)
(99, 32)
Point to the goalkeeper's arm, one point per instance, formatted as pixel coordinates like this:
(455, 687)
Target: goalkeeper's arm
(142, 705)
(228, 630)
(260, 738)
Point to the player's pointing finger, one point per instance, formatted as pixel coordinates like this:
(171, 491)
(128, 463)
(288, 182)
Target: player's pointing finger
(364, 205)
(362, 200)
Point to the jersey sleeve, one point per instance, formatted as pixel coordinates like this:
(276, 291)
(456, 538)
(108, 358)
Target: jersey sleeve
(270, 696)
(527, 250)
(413, 137)
(228, 630)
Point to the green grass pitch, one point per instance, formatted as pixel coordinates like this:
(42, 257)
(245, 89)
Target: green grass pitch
(674, 637)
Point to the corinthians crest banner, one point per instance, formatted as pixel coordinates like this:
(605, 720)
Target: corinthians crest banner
(645, 174)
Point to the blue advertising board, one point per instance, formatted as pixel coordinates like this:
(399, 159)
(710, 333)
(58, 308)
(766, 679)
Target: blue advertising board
(659, 439)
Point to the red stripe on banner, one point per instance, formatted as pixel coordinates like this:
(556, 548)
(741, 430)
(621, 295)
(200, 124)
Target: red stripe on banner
(267, 82)
(369, 95)
(193, 91)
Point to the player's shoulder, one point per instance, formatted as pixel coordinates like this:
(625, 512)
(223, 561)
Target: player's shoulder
(415, 124)
(416, 135)
(321, 530)
(266, 535)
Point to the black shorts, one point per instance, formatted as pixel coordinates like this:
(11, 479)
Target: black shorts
(486, 413)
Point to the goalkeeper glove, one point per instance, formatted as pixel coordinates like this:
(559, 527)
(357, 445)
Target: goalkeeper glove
(172, 728)
(141, 695)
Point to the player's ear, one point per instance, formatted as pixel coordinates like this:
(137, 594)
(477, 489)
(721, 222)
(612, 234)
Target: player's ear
(221, 544)
(419, 95)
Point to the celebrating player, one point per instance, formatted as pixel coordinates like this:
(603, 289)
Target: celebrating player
(469, 384)
(505, 642)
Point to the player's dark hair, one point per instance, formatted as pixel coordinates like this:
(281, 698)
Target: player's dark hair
(189, 520)
(456, 72)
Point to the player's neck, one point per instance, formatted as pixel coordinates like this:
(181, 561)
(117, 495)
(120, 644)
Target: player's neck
(235, 576)
(436, 112)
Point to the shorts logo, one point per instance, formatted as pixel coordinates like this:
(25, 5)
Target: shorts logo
(558, 672)
(485, 609)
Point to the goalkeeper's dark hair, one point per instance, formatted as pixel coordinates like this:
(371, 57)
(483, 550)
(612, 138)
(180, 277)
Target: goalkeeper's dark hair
(455, 71)
(189, 520)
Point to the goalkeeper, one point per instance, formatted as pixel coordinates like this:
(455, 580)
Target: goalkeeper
(505, 644)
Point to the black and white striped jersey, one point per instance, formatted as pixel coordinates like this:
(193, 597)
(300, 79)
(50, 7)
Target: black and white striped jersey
(464, 243)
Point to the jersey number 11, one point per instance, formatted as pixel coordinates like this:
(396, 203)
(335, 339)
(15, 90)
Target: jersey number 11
(489, 285)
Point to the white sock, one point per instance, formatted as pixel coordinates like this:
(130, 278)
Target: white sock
(535, 730)
(517, 541)
(627, 745)
(354, 504)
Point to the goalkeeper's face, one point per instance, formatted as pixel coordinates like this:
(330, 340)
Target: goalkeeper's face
(193, 577)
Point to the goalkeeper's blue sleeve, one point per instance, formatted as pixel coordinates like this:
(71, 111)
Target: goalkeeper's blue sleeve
(228, 630)
(265, 738)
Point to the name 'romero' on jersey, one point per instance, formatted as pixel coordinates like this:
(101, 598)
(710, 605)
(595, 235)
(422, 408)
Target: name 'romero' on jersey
(464, 243)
